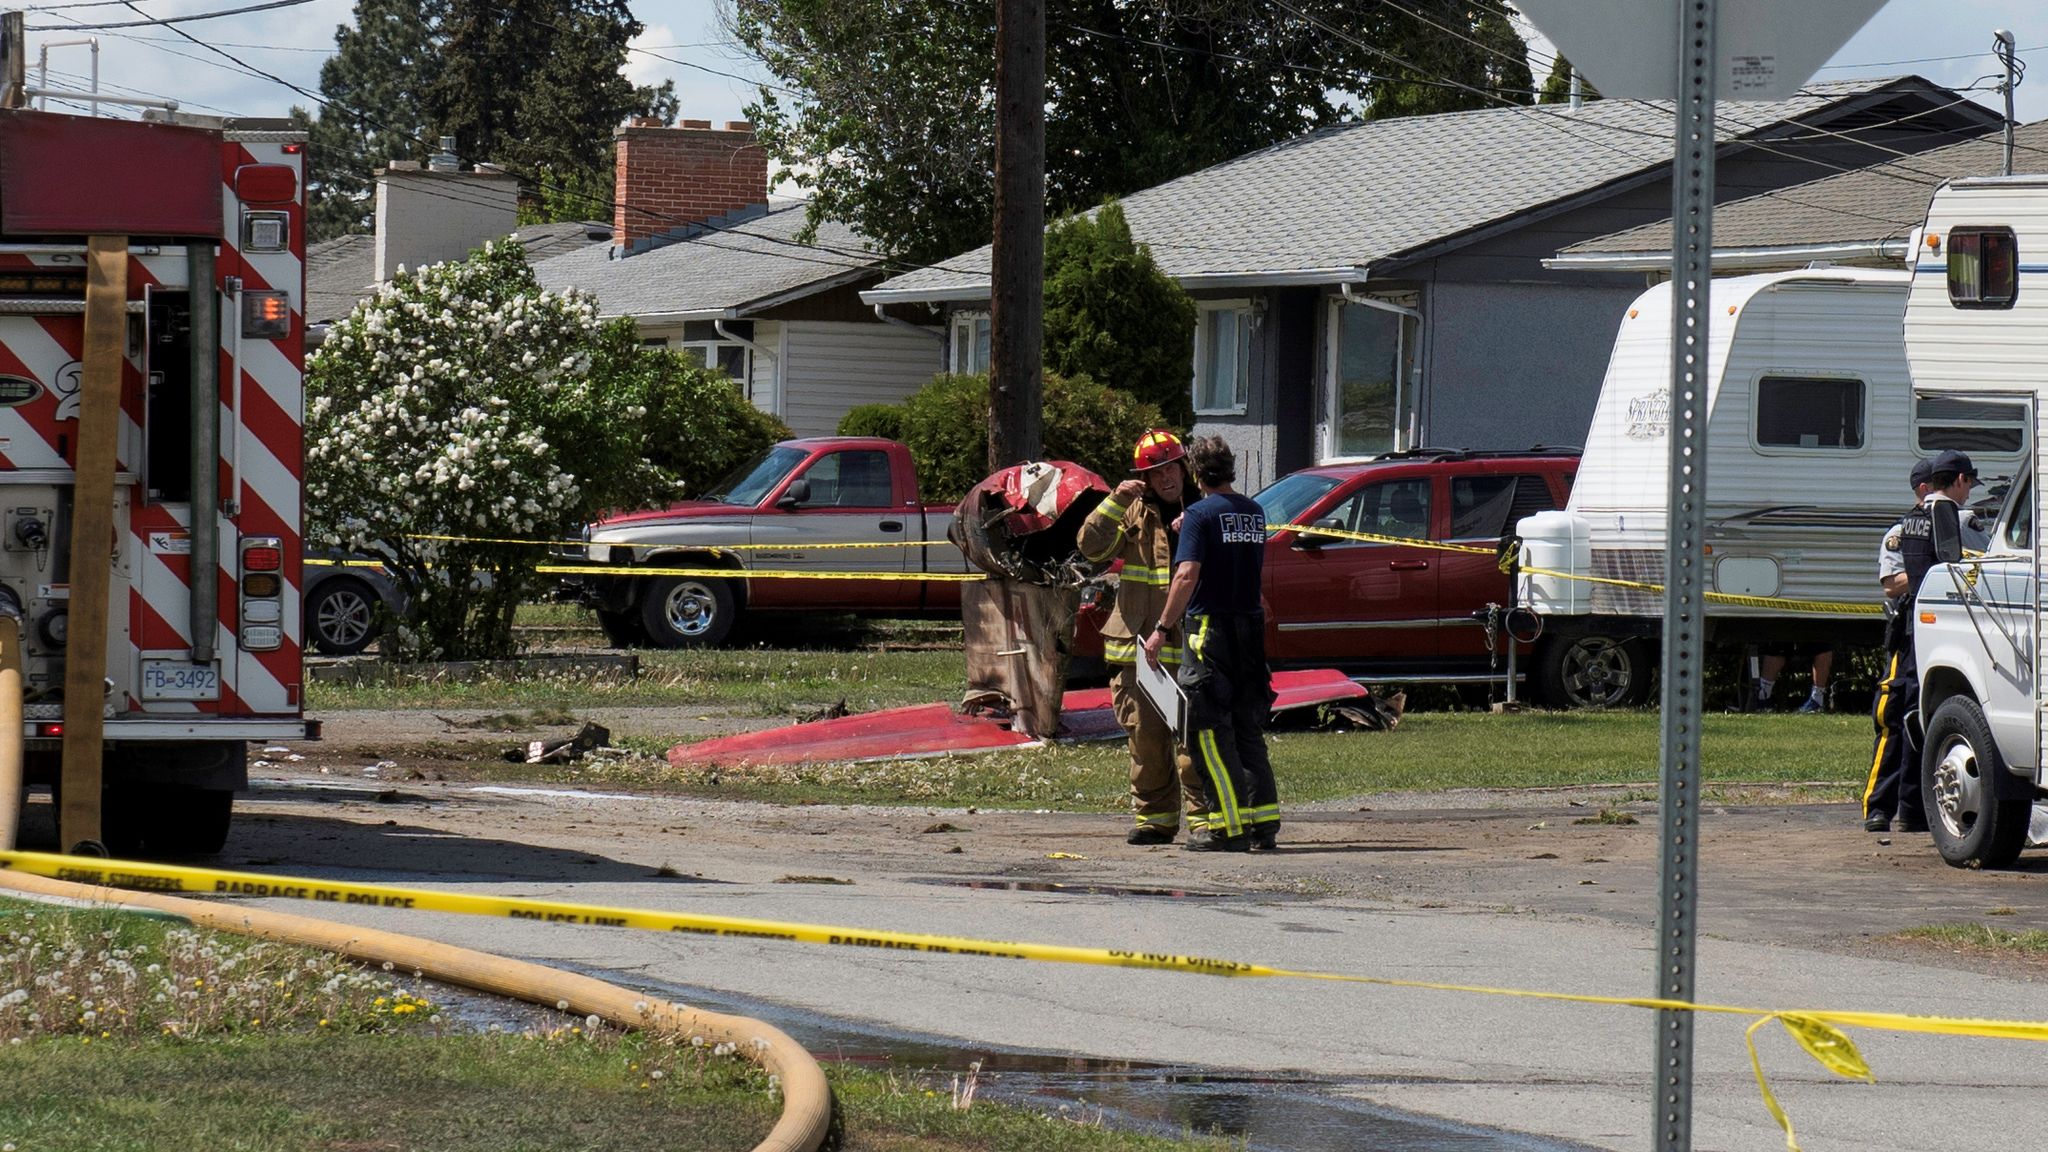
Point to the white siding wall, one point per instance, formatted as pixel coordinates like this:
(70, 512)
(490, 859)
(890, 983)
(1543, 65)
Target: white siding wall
(766, 385)
(830, 367)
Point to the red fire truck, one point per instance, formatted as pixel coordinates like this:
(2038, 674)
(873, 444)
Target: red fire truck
(151, 355)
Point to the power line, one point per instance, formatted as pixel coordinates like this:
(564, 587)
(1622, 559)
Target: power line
(1930, 59)
(164, 21)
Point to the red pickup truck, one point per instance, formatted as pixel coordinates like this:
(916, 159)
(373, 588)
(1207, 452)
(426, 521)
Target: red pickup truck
(772, 513)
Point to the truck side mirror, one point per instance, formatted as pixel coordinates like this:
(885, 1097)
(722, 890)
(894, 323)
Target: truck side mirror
(1948, 531)
(798, 492)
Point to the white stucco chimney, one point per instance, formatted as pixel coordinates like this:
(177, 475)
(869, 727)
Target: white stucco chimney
(425, 216)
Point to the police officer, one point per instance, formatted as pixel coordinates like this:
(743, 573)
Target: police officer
(1908, 552)
(1215, 596)
(1135, 525)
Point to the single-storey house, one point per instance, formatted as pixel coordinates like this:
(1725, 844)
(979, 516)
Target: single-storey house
(704, 263)
(424, 216)
(1380, 285)
(1865, 218)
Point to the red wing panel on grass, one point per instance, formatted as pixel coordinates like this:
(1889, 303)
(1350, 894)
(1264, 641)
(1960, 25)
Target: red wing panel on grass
(937, 730)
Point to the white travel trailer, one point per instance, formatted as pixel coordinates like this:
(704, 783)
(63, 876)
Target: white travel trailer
(1813, 424)
(1977, 333)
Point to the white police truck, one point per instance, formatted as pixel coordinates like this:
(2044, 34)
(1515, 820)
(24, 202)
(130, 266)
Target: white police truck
(1976, 332)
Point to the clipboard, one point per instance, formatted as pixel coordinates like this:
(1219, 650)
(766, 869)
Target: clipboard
(1162, 693)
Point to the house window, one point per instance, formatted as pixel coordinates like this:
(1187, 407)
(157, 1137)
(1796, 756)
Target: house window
(1995, 427)
(970, 343)
(1817, 413)
(1223, 358)
(1983, 267)
(1374, 377)
(703, 344)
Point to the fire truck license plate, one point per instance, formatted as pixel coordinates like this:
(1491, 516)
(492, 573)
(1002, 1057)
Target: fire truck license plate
(179, 680)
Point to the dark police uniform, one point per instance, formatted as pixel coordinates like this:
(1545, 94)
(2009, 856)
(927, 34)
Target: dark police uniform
(1230, 691)
(1894, 784)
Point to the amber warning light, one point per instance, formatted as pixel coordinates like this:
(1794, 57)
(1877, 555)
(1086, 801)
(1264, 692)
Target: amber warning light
(266, 315)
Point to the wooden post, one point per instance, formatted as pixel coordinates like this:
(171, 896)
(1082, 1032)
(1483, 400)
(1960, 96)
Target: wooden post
(92, 538)
(1017, 288)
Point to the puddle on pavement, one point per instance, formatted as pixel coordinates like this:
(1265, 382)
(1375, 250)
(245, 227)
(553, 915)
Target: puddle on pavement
(1257, 1111)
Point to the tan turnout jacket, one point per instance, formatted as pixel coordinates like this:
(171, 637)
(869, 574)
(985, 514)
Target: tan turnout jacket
(1138, 536)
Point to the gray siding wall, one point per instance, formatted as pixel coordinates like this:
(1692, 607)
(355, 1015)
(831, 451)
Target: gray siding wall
(828, 368)
(1512, 365)
(1254, 435)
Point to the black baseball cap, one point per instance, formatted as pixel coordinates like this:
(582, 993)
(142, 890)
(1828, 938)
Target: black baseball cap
(1956, 462)
(1923, 471)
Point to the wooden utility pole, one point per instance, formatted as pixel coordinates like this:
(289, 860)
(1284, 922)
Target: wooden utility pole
(1017, 287)
(13, 60)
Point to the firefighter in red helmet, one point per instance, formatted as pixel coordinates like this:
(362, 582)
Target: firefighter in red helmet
(1135, 525)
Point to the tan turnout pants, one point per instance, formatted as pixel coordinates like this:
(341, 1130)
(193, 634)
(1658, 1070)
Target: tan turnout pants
(1162, 778)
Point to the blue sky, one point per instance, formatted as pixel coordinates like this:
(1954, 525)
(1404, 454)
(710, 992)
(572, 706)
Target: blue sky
(291, 43)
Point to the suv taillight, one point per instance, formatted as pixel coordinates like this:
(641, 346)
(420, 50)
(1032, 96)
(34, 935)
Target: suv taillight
(262, 584)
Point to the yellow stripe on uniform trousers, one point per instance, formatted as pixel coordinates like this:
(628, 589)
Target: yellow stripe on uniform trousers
(1884, 733)
(1219, 778)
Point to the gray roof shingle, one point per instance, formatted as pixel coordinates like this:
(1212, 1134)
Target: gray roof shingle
(342, 271)
(1883, 202)
(715, 271)
(1349, 196)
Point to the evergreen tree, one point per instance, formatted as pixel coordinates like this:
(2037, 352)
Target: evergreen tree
(1111, 314)
(375, 111)
(1557, 87)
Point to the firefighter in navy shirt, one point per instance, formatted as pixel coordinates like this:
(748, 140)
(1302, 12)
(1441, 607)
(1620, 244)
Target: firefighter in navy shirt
(1214, 596)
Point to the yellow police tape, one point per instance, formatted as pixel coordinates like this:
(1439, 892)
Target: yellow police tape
(1508, 559)
(804, 546)
(1819, 1032)
(751, 573)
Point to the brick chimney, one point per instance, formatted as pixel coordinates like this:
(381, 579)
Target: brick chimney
(669, 178)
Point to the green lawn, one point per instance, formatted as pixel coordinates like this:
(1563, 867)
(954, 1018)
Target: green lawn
(125, 1032)
(759, 681)
(1429, 752)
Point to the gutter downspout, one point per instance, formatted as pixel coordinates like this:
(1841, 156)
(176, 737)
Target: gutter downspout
(920, 329)
(205, 582)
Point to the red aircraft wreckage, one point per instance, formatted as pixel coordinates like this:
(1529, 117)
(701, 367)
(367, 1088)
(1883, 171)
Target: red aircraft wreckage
(1020, 527)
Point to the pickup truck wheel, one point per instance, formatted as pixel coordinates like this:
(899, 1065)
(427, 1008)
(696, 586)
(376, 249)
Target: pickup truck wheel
(686, 612)
(1976, 810)
(621, 629)
(1593, 672)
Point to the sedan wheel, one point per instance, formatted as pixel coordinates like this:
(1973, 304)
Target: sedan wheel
(342, 618)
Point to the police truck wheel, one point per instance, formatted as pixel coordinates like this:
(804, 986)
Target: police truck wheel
(686, 612)
(1976, 810)
(1593, 672)
(341, 617)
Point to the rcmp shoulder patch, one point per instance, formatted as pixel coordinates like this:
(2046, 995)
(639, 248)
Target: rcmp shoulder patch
(1892, 541)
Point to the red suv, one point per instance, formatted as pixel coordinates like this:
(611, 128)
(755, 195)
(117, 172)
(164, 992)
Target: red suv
(1393, 611)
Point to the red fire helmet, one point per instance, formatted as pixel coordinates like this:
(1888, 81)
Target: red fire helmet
(1155, 448)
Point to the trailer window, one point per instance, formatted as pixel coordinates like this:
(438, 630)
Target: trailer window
(1820, 413)
(1983, 267)
(1994, 427)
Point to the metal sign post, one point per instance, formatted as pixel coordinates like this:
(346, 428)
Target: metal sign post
(1678, 774)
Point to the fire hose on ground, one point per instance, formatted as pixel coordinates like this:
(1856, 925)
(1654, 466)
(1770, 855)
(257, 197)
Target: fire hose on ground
(806, 1098)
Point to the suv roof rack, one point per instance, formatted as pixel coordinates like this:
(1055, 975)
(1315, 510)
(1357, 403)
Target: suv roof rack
(1437, 453)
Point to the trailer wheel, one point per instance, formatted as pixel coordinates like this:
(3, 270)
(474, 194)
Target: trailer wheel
(1977, 812)
(1593, 672)
(621, 629)
(687, 612)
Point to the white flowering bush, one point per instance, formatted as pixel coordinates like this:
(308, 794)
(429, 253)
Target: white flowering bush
(463, 401)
